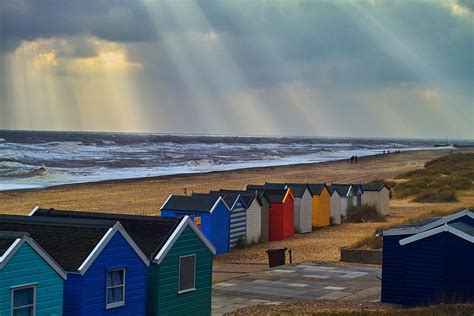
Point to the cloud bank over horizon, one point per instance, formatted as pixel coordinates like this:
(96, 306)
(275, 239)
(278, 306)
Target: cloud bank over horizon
(326, 68)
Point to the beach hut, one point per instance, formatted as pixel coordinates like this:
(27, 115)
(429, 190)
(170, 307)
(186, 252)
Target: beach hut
(358, 192)
(180, 272)
(238, 219)
(430, 261)
(106, 270)
(341, 194)
(280, 213)
(377, 194)
(302, 208)
(264, 209)
(320, 204)
(209, 212)
(253, 207)
(335, 207)
(31, 282)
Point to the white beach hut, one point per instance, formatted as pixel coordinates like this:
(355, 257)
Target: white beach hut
(303, 207)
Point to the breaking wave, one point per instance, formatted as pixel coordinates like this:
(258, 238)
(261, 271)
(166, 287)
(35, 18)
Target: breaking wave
(39, 159)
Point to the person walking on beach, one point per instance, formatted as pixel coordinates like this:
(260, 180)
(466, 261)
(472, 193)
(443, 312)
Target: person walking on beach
(352, 160)
(356, 160)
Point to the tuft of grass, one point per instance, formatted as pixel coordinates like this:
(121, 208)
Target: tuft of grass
(439, 180)
(363, 214)
(436, 195)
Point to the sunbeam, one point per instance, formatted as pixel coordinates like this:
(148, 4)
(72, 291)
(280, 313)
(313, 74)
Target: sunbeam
(250, 67)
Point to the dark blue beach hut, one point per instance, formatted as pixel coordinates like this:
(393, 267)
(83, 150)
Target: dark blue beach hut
(209, 212)
(430, 261)
(180, 272)
(358, 191)
(106, 270)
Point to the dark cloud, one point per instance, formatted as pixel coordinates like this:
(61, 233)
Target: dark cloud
(340, 49)
(114, 20)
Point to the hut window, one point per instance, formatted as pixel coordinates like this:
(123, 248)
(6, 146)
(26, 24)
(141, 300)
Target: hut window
(187, 273)
(115, 288)
(24, 301)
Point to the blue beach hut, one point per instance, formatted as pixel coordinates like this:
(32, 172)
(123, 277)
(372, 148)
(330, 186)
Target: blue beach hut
(31, 282)
(209, 212)
(106, 270)
(429, 261)
(238, 217)
(180, 272)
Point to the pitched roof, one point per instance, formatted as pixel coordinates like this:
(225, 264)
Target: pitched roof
(246, 196)
(265, 186)
(194, 203)
(11, 242)
(298, 188)
(275, 195)
(149, 232)
(460, 230)
(7, 238)
(357, 187)
(229, 198)
(426, 224)
(316, 188)
(68, 241)
(342, 189)
(373, 186)
(465, 228)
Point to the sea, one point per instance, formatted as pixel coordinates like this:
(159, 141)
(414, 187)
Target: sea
(37, 159)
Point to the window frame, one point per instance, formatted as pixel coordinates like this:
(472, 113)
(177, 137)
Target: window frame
(122, 302)
(23, 287)
(193, 288)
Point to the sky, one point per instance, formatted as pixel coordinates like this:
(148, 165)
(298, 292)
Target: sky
(348, 68)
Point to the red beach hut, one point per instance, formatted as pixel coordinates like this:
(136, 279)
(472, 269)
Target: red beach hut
(281, 213)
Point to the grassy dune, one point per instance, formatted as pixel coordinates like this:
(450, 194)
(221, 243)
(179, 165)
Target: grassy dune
(439, 181)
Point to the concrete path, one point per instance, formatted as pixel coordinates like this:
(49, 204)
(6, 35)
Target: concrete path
(296, 283)
(226, 271)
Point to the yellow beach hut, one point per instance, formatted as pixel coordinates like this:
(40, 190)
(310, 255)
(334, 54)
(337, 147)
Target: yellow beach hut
(321, 204)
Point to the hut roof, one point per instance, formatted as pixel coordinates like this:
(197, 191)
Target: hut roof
(149, 232)
(461, 230)
(298, 188)
(342, 189)
(204, 203)
(247, 196)
(426, 224)
(316, 188)
(373, 186)
(68, 241)
(229, 198)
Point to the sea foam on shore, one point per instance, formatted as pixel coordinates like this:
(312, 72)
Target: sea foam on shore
(40, 159)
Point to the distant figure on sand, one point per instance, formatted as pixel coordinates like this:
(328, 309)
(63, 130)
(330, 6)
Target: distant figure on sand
(356, 159)
(352, 160)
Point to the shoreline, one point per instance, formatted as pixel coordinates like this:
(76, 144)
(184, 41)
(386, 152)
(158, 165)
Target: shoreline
(145, 196)
(204, 173)
(182, 175)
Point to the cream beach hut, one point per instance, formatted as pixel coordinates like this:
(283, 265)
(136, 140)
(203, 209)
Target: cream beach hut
(377, 194)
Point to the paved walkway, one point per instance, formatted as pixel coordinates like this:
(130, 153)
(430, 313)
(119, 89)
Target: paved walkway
(298, 282)
(226, 271)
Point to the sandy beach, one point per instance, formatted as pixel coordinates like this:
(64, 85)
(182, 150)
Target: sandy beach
(145, 196)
